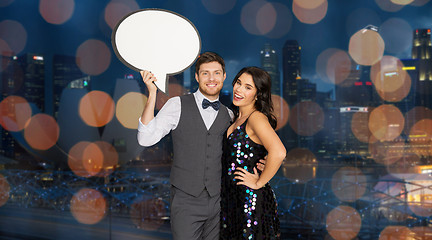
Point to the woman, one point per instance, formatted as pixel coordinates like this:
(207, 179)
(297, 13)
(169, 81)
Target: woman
(248, 204)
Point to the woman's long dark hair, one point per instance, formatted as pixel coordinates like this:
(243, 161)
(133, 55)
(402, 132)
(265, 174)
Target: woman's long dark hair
(262, 81)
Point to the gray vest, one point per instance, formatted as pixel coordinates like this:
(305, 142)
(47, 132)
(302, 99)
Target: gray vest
(198, 151)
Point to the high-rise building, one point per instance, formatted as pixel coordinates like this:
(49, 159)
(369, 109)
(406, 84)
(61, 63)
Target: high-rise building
(65, 70)
(270, 63)
(422, 51)
(291, 67)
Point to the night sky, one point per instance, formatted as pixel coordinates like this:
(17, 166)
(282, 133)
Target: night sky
(219, 23)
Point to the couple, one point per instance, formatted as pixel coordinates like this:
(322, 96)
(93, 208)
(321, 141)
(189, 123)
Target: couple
(211, 141)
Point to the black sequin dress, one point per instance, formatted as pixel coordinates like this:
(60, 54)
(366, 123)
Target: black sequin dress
(245, 213)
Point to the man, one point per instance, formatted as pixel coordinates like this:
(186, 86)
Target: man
(198, 122)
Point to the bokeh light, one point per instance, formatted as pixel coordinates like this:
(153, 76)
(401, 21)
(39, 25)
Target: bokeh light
(388, 5)
(14, 35)
(96, 108)
(258, 17)
(349, 184)
(116, 10)
(391, 81)
(219, 6)
(366, 47)
(359, 127)
(420, 137)
(419, 3)
(402, 2)
(93, 57)
(422, 233)
(88, 206)
(310, 14)
(56, 12)
(15, 111)
(281, 111)
(361, 17)
(110, 158)
(333, 65)
(309, 4)
(148, 214)
(42, 131)
(85, 159)
(408, 164)
(414, 115)
(283, 23)
(397, 35)
(174, 90)
(396, 232)
(300, 165)
(386, 122)
(387, 152)
(4, 190)
(129, 108)
(343, 222)
(307, 118)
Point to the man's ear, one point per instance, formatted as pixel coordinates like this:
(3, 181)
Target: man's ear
(196, 77)
(224, 76)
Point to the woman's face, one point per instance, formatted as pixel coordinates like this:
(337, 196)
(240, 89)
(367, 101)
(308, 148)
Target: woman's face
(244, 91)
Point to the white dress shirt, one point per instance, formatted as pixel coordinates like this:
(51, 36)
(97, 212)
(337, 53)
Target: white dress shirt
(168, 118)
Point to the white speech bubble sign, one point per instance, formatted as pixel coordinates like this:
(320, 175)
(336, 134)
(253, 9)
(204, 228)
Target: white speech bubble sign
(157, 40)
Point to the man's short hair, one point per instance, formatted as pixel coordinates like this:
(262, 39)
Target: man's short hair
(209, 57)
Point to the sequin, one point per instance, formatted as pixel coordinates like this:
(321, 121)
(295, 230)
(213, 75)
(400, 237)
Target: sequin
(245, 213)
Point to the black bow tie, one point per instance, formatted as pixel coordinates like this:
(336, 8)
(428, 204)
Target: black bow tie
(206, 103)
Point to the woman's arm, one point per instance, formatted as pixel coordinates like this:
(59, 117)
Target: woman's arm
(261, 131)
(148, 112)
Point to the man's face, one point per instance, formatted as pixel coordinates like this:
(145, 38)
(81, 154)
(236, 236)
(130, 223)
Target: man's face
(210, 79)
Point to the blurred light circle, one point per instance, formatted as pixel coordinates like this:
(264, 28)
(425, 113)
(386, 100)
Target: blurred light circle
(388, 5)
(338, 67)
(420, 137)
(148, 214)
(361, 17)
(15, 111)
(359, 126)
(388, 74)
(406, 165)
(419, 3)
(387, 152)
(129, 109)
(281, 111)
(402, 2)
(366, 47)
(15, 36)
(56, 12)
(310, 15)
(307, 118)
(266, 18)
(397, 35)
(4, 190)
(5, 50)
(386, 122)
(174, 90)
(422, 232)
(414, 115)
(117, 9)
(309, 4)
(343, 222)
(41, 131)
(300, 165)
(253, 17)
(283, 22)
(396, 232)
(88, 206)
(85, 159)
(321, 63)
(349, 184)
(219, 6)
(96, 108)
(110, 158)
(93, 57)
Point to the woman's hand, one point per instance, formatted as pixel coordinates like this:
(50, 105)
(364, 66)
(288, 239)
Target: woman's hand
(149, 79)
(246, 178)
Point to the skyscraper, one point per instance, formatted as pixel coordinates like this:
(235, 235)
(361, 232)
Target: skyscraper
(422, 47)
(270, 63)
(422, 50)
(291, 67)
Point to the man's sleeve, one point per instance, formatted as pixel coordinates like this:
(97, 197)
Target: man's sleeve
(166, 120)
